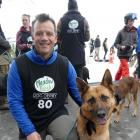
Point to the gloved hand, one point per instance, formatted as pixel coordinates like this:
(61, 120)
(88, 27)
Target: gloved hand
(123, 47)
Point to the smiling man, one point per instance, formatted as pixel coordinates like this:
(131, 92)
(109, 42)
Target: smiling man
(38, 85)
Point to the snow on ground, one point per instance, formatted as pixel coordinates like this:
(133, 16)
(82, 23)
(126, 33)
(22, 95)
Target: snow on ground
(97, 69)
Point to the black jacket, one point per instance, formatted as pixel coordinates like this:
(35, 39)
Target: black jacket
(4, 44)
(73, 31)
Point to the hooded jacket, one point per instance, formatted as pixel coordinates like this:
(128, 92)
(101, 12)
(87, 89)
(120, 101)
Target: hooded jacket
(23, 39)
(126, 37)
(73, 31)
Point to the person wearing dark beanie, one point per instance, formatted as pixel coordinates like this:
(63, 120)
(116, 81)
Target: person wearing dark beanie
(72, 5)
(73, 32)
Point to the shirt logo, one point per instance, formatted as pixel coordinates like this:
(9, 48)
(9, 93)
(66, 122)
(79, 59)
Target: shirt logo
(73, 24)
(44, 84)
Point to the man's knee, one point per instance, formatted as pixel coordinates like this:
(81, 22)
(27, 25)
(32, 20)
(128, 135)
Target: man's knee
(63, 128)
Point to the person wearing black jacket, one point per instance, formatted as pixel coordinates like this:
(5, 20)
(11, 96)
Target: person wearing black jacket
(97, 48)
(73, 32)
(4, 46)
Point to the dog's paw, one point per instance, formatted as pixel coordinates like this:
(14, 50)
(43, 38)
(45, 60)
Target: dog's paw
(126, 106)
(116, 121)
(134, 114)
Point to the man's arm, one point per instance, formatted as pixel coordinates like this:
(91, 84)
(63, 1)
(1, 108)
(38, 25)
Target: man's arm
(87, 31)
(21, 46)
(15, 100)
(4, 44)
(117, 42)
(72, 85)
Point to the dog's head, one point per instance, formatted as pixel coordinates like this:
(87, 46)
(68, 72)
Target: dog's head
(98, 101)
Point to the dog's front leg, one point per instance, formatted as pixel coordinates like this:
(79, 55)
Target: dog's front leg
(119, 111)
(135, 100)
(129, 99)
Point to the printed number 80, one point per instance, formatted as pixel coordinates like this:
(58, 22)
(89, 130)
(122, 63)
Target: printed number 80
(42, 104)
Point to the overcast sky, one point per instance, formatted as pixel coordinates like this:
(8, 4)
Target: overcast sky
(105, 17)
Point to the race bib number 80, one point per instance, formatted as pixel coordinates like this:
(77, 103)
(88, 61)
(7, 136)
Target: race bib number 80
(44, 104)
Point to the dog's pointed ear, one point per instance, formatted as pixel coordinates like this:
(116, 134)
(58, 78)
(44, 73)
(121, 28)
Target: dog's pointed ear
(107, 79)
(82, 85)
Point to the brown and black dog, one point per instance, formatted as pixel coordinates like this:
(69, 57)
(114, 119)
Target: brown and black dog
(95, 113)
(126, 88)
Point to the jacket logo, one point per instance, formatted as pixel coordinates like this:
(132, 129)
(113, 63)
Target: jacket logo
(44, 84)
(73, 24)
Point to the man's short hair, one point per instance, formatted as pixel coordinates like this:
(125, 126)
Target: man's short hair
(26, 15)
(42, 18)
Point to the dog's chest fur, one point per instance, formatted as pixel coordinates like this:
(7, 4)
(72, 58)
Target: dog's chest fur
(89, 131)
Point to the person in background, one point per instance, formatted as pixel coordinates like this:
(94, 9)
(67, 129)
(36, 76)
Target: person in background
(111, 55)
(37, 91)
(97, 48)
(24, 37)
(73, 32)
(91, 46)
(4, 44)
(138, 54)
(105, 47)
(126, 42)
(4, 65)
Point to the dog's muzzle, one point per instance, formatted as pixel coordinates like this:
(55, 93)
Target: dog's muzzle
(100, 115)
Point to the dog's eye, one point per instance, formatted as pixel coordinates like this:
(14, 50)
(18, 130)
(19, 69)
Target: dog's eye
(104, 98)
(92, 100)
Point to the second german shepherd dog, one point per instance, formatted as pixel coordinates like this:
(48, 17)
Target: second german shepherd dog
(95, 113)
(126, 88)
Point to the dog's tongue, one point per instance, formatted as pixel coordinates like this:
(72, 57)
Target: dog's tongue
(101, 121)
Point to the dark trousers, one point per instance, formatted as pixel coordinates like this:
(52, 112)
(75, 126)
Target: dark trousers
(62, 128)
(79, 70)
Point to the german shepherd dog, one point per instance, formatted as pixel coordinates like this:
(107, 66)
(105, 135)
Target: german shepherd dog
(127, 88)
(95, 113)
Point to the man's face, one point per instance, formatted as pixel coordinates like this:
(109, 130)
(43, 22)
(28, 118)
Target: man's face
(130, 23)
(44, 37)
(26, 21)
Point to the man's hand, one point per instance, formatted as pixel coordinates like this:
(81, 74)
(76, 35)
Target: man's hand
(34, 136)
(123, 47)
(29, 46)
